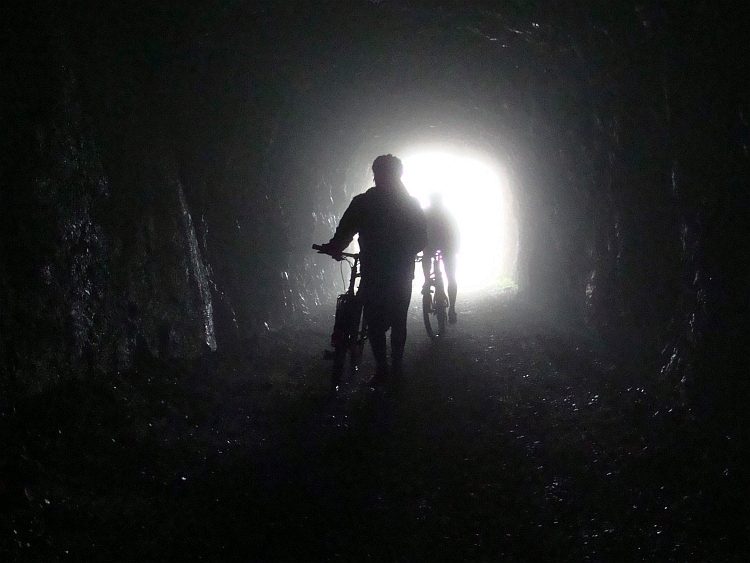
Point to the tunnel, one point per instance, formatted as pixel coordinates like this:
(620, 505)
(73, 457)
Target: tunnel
(166, 167)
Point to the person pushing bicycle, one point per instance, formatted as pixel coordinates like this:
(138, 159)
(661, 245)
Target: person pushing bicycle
(443, 235)
(392, 230)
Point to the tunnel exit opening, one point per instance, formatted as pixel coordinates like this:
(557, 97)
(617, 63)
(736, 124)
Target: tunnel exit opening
(479, 195)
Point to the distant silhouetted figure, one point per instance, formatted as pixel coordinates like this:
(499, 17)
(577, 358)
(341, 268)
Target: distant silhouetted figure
(443, 235)
(391, 227)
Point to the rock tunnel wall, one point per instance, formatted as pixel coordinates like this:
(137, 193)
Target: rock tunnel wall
(164, 170)
(645, 185)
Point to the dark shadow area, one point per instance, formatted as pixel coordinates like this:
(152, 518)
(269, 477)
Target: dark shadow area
(510, 440)
(164, 168)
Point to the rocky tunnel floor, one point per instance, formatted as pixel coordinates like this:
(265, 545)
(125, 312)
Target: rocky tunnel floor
(510, 440)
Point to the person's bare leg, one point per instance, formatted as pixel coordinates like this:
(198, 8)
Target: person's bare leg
(400, 312)
(377, 326)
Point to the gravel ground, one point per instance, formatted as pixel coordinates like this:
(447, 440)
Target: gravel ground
(510, 440)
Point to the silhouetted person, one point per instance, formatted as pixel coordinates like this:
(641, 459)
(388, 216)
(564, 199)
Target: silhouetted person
(443, 235)
(391, 227)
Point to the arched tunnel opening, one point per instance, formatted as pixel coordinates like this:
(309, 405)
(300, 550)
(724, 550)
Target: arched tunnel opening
(165, 168)
(475, 185)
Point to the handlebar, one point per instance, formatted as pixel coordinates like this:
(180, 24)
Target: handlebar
(322, 250)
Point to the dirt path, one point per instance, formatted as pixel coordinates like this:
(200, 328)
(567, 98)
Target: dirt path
(511, 441)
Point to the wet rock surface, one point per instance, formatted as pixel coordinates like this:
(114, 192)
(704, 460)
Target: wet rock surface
(514, 439)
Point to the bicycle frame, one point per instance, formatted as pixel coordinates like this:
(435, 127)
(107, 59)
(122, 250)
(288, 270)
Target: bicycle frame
(341, 330)
(434, 298)
(349, 330)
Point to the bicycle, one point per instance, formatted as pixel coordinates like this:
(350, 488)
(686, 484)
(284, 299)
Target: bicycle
(434, 298)
(349, 329)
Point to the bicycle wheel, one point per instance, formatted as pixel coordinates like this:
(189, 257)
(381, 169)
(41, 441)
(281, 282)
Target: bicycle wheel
(441, 312)
(426, 312)
(342, 337)
(357, 339)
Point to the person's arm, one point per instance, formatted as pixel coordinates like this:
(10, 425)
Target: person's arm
(348, 226)
(419, 237)
(420, 221)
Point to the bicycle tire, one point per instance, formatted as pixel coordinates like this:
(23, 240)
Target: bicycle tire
(441, 312)
(426, 312)
(357, 340)
(344, 334)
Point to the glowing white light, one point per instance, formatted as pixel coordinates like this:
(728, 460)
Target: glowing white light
(479, 198)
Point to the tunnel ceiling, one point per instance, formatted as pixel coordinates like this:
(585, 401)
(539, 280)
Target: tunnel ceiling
(165, 157)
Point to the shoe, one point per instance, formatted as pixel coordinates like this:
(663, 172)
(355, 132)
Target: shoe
(452, 317)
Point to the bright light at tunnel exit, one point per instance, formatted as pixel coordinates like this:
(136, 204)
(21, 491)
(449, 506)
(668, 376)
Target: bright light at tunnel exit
(480, 200)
